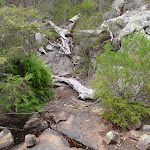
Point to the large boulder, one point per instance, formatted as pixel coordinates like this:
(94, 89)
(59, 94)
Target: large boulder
(84, 127)
(6, 139)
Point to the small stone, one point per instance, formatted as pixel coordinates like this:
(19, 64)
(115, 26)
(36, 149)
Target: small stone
(30, 140)
(135, 125)
(146, 129)
(144, 142)
(6, 138)
(112, 137)
(134, 134)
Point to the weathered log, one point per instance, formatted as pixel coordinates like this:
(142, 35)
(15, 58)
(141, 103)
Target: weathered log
(66, 46)
(60, 31)
(73, 21)
(75, 18)
(84, 92)
(66, 43)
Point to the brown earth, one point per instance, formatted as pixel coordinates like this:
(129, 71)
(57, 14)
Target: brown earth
(79, 121)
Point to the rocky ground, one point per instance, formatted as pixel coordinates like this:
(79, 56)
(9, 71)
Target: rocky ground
(76, 126)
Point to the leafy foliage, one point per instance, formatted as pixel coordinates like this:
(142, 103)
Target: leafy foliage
(24, 77)
(14, 91)
(17, 27)
(91, 15)
(122, 80)
(24, 83)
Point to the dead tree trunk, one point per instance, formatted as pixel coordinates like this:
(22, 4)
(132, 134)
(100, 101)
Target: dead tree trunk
(65, 43)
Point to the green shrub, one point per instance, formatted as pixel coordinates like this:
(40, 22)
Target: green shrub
(24, 83)
(18, 27)
(14, 91)
(122, 80)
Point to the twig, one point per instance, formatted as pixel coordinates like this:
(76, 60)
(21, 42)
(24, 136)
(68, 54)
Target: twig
(11, 128)
(13, 113)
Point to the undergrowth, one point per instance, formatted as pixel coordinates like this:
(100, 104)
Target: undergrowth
(25, 83)
(122, 80)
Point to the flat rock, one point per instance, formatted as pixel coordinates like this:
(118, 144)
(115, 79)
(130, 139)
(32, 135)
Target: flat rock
(144, 142)
(49, 140)
(85, 128)
(6, 139)
(58, 63)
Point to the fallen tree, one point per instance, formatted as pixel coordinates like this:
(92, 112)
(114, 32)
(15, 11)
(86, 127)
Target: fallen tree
(84, 92)
(65, 43)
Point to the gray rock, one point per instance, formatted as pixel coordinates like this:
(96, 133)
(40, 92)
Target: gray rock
(135, 125)
(112, 137)
(131, 21)
(36, 124)
(58, 63)
(32, 123)
(146, 129)
(43, 125)
(6, 138)
(144, 142)
(134, 134)
(30, 140)
(85, 128)
(49, 140)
